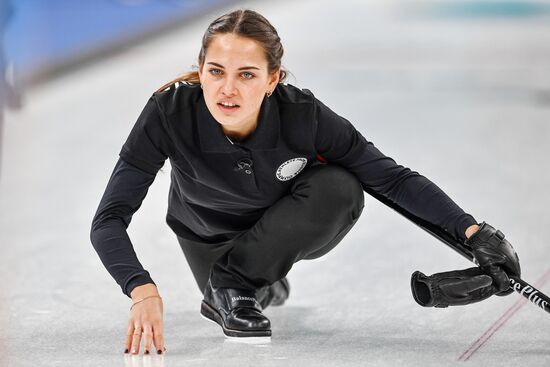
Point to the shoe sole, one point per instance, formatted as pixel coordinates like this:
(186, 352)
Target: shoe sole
(247, 340)
(211, 314)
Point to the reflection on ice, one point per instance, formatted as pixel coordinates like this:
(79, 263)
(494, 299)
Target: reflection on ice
(140, 360)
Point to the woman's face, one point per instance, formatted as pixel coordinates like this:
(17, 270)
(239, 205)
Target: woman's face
(235, 73)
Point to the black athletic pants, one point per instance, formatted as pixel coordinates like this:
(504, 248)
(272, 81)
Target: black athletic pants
(324, 203)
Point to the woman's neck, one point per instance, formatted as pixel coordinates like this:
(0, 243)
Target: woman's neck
(240, 133)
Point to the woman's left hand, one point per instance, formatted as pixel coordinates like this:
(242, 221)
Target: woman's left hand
(495, 255)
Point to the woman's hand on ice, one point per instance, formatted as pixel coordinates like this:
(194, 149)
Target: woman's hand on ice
(146, 321)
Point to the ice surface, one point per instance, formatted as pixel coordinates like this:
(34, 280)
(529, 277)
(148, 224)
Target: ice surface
(464, 101)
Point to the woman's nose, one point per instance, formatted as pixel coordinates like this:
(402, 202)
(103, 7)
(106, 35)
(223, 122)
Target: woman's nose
(229, 86)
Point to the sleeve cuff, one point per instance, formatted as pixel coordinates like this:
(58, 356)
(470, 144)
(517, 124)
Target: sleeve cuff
(136, 280)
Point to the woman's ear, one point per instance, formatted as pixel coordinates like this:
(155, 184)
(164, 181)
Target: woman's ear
(274, 79)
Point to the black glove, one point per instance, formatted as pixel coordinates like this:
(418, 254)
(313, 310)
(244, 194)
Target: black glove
(495, 256)
(452, 288)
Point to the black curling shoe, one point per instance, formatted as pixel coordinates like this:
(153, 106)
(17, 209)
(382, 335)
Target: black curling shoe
(236, 310)
(275, 294)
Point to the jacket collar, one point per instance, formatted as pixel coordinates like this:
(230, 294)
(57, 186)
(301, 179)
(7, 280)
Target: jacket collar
(265, 137)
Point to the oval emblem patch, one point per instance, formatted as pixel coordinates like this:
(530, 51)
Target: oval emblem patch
(290, 168)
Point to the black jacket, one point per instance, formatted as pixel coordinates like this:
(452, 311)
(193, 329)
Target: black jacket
(220, 188)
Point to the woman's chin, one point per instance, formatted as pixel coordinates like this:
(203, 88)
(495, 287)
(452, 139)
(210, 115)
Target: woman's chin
(229, 121)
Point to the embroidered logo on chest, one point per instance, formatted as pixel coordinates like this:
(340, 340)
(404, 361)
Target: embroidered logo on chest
(290, 168)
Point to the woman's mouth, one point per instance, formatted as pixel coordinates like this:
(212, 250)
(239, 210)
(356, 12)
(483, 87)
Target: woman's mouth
(228, 106)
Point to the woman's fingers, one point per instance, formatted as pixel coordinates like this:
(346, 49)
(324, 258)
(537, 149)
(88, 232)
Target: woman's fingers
(129, 336)
(145, 325)
(158, 338)
(151, 335)
(136, 339)
(148, 338)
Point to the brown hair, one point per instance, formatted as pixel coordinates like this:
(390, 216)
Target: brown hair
(245, 23)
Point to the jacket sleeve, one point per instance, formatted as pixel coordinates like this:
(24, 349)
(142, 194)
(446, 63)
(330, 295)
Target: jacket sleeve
(123, 196)
(337, 141)
(148, 143)
(141, 156)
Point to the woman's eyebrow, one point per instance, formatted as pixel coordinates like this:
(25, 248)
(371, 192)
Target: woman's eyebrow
(241, 68)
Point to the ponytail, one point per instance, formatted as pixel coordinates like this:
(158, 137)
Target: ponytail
(191, 77)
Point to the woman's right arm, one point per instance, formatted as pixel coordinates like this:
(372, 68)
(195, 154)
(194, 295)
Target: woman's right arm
(123, 196)
(141, 156)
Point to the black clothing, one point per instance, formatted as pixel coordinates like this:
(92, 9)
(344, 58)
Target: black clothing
(123, 196)
(324, 203)
(220, 189)
(496, 256)
(452, 288)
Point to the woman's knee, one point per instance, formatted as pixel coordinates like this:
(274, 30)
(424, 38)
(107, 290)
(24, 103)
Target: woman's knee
(337, 185)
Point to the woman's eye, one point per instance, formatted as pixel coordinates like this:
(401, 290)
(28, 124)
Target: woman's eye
(215, 71)
(247, 75)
